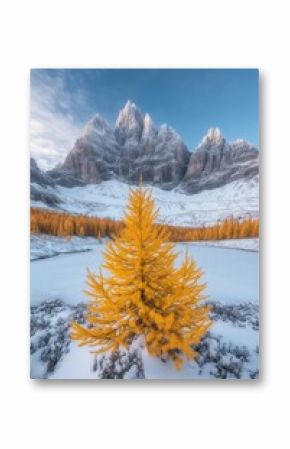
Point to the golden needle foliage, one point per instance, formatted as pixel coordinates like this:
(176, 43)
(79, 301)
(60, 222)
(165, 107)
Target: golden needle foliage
(144, 295)
(227, 229)
(62, 224)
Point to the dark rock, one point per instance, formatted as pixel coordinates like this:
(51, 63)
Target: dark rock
(38, 176)
(216, 163)
(38, 194)
(136, 146)
(94, 156)
(41, 185)
(133, 147)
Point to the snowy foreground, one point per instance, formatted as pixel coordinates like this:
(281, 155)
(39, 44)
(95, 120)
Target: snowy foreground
(238, 199)
(229, 350)
(44, 246)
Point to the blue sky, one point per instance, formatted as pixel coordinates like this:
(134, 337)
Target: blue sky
(189, 100)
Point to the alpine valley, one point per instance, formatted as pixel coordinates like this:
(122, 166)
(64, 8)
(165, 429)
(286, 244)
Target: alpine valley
(210, 183)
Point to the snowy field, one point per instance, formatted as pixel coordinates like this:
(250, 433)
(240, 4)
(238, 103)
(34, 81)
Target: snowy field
(238, 199)
(44, 246)
(243, 244)
(230, 349)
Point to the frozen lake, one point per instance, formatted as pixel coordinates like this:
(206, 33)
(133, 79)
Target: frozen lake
(231, 275)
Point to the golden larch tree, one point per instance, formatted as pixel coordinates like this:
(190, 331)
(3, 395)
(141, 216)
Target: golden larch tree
(145, 295)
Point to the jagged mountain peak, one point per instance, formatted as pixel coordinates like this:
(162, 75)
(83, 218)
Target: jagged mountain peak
(33, 164)
(129, 116)
(217, 162)
(214, 136)
(149, 129)
(129, 125)
(37, 175)
(148, 120)
(135, 145)
(97, 124)
(130, 105)
(166, 132)
(242, 143)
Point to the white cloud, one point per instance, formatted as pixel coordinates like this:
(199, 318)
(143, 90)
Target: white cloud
(53, 129)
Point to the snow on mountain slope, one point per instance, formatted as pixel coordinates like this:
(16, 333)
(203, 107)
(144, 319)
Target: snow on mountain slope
(107, 199)
(134, 145)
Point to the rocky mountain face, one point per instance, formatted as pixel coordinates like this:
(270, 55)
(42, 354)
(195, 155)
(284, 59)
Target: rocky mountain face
(38, 176)
(132, 147)
(39, 186)
(217, 162)
(135, 145)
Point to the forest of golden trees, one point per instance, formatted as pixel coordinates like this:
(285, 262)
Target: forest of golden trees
(227, 229)
(63, 224)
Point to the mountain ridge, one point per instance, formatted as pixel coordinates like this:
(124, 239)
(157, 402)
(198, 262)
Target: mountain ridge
(135, 146)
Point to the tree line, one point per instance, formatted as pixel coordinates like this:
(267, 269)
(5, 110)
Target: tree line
(228, 229)
(66, 225)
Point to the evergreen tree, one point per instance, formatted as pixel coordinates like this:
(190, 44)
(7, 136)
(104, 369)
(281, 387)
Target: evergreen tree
(145, 294)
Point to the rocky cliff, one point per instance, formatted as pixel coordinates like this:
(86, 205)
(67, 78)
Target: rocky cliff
(40, 184)
(135, 145)
(217, 162)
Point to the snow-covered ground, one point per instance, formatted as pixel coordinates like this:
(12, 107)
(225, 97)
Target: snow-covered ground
(229, 350)
(238, 199)
(43, 246)
(244, 244)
